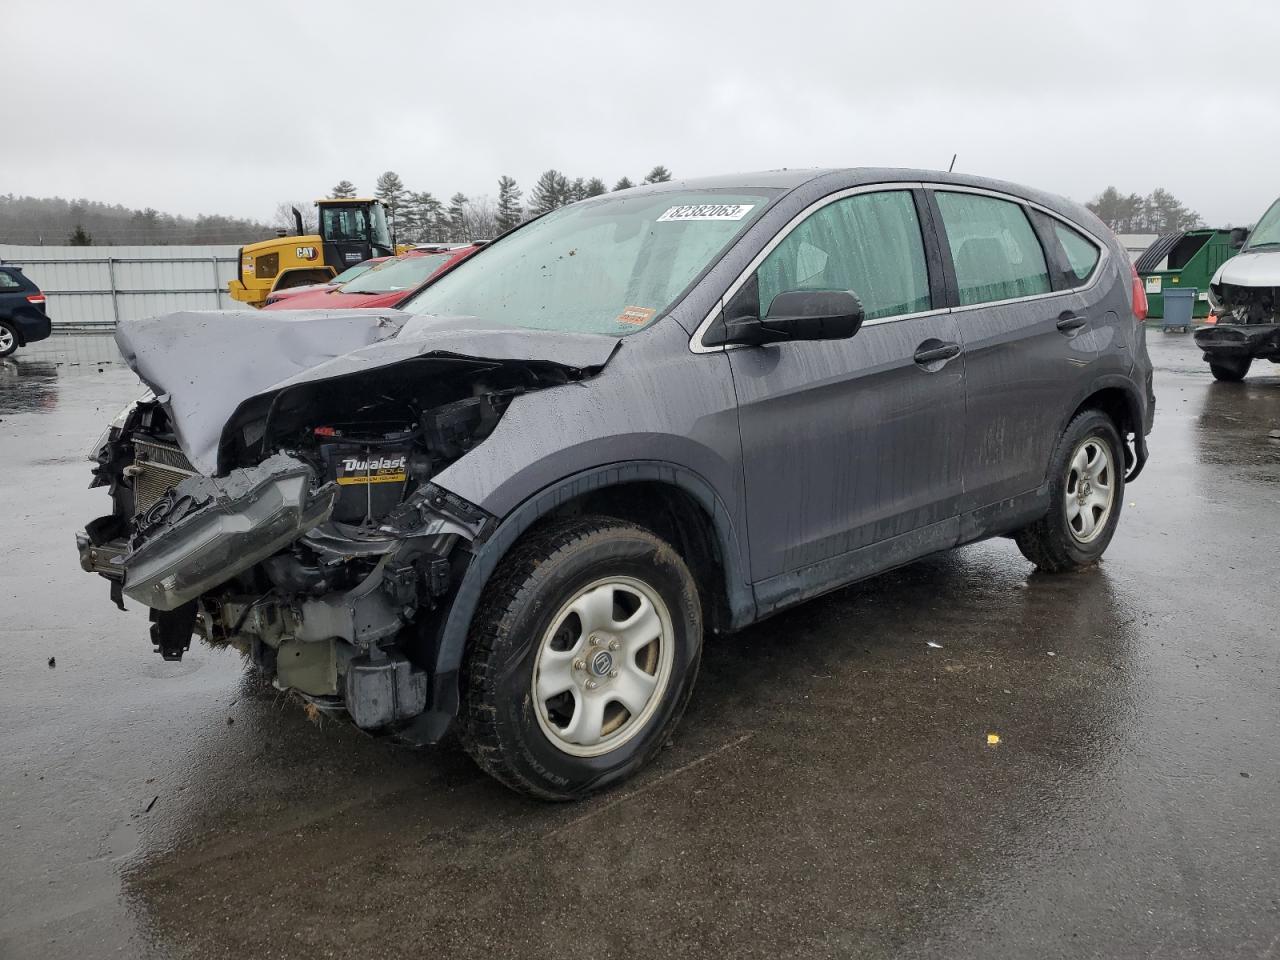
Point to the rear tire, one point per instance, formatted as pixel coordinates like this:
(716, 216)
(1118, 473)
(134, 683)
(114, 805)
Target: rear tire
(1086, 492)
(1230, 371)
(8, 339)
(583, 654)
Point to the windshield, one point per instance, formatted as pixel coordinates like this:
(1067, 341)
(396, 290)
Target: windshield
(349, 274)
(401, 273)
(604, 266)
(1267, 232)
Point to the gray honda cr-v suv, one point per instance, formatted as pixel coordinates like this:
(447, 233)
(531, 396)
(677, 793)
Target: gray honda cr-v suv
(520, 503)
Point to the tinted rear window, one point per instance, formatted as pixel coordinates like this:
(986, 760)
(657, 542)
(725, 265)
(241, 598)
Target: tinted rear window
(8, 281)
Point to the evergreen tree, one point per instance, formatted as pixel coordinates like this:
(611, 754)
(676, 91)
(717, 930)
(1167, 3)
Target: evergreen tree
(458, 218)
(623, 184)
(342, 190)
(658, 174)
(509, 212)
(80, 237)
(391, 191)
(423, 215)
(595, 187)
(551, 191)
(578, 190)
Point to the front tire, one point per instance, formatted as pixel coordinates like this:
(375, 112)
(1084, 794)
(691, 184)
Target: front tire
(1086, 492)
(8, 339)
(583, 654)
(1230, 370)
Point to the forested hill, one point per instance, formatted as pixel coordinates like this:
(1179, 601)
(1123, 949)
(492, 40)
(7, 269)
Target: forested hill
(53, 220)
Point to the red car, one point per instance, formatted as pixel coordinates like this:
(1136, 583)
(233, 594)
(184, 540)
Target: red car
(385, 285)
(345, 276)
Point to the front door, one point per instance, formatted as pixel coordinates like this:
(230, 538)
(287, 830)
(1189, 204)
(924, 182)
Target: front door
(851, 443)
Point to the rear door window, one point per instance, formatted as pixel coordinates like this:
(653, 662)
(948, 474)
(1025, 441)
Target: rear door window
(1082, 253)
(869, 243)
(994, 248)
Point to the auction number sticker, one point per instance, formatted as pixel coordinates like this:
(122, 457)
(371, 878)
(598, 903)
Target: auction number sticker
(707, 211)
(636, 316)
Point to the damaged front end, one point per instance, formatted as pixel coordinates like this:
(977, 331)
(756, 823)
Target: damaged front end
(319, 547)
(1245, 299)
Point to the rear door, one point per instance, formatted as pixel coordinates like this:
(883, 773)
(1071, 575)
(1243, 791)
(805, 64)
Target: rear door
(1027, 338)
(851, 443)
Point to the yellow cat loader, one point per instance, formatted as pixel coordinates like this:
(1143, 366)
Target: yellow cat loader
(351, 230)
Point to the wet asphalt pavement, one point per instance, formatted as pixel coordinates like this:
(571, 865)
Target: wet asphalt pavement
(831, 791)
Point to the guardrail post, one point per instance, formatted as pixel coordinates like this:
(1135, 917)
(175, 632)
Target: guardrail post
(115, 302)
(217, 287)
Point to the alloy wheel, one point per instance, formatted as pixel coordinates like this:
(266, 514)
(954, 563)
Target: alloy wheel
(1090, 489)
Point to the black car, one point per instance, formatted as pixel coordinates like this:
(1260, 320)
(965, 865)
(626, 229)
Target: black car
(22, 315)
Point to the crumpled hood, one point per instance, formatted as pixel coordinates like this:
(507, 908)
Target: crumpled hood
(1261, 269)
(203, 365)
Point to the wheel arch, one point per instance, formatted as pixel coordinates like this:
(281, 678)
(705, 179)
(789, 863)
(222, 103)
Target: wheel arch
(321, 275)
(672, 501)
(1118, 398)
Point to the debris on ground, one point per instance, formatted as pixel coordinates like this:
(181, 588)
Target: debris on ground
(936, 646)
(993, 739)
(53, 661)
(1274, 434)
(312, 712)
(151, 804)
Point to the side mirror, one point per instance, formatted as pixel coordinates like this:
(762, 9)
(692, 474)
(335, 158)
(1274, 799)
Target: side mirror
(800, 315)
(1238, 236)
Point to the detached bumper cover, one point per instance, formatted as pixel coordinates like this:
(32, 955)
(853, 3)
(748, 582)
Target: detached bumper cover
(1240, 340)
(207, 530)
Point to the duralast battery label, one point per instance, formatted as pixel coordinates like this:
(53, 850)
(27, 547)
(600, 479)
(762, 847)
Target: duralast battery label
(372, 470)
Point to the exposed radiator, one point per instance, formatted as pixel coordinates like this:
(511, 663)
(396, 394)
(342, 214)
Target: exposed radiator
(157, 468)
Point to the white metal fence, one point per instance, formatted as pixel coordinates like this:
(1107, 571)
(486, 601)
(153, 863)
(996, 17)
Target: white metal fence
(96, 287)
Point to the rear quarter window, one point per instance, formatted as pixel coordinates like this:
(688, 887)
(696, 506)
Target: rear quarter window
(8, 281)
(1082, 253)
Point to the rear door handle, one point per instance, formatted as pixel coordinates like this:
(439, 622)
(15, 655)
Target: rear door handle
(943, 351)
(1068, 322)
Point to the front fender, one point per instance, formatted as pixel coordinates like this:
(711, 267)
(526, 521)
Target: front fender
(455, 624)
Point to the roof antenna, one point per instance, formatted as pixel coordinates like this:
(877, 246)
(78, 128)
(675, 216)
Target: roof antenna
(953, 163)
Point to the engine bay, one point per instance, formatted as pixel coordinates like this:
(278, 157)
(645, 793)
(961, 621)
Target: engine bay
(320, 549)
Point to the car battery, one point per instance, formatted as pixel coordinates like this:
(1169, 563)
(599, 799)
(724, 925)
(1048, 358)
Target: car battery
(371, 478)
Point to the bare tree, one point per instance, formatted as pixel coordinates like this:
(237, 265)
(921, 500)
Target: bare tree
(284, 219)
(480, 219)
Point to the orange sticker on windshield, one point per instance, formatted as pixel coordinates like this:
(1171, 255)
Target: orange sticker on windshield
(636, 316)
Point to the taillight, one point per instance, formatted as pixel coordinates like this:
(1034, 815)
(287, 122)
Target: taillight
(36, 298)
(1139, 296)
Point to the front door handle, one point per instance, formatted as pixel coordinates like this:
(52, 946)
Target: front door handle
(1068, 322)
(939, 352)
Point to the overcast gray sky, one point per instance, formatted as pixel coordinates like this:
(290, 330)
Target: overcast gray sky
(231, 107)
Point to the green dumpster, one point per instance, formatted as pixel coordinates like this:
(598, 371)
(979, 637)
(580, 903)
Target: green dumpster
(1180, 260)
